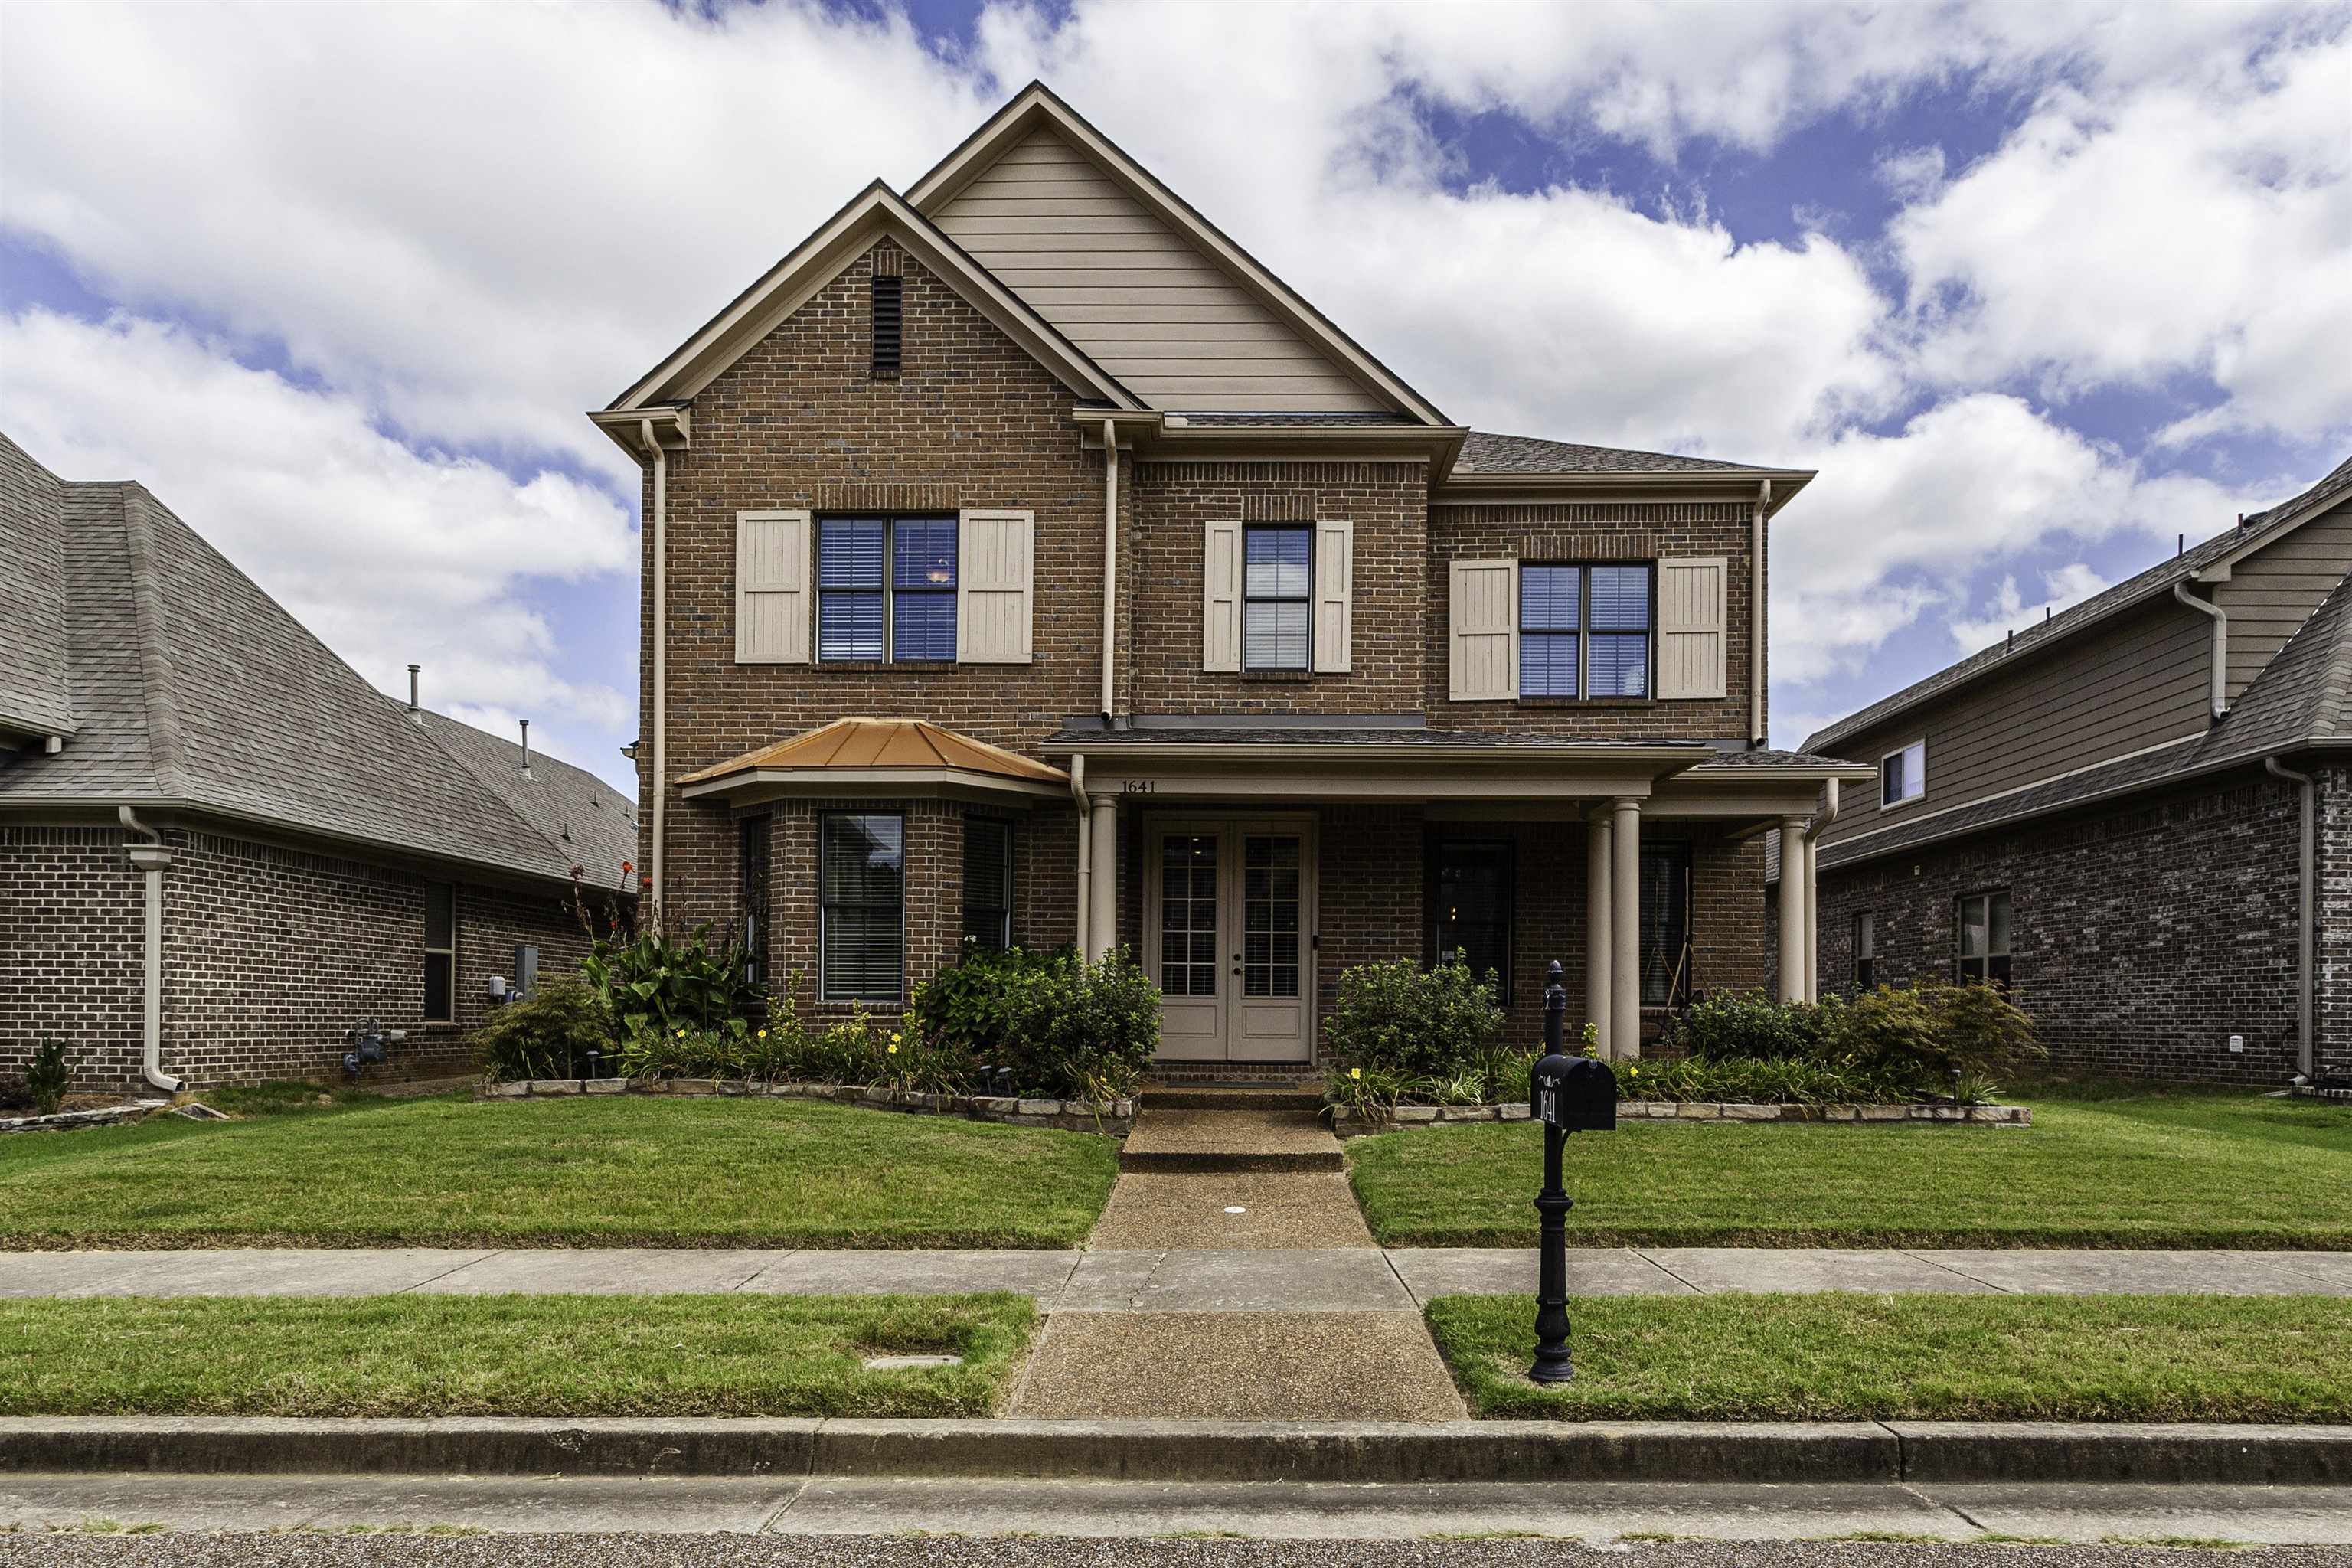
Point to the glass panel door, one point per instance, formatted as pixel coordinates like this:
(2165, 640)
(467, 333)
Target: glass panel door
(1188, 915)
(1269, 916)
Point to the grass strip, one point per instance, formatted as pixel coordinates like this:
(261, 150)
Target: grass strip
(2144, 1170)
(508, 1355)
(623, 1171)
(1848, 1357)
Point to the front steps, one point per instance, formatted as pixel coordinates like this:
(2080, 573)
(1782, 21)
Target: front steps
(1254, 1136)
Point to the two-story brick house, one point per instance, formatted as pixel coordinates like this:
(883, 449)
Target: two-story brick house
(2138, 813)
(1025, 561)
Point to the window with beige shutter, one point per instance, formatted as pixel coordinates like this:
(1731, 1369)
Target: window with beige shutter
(996, 587)
(771, 587)
(1221, 597)
(1693, 628)
(1335, 597)
(1483, 630)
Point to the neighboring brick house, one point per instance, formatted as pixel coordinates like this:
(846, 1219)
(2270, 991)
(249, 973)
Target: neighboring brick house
(220, 848)
(2139, 814)
(1025, 563)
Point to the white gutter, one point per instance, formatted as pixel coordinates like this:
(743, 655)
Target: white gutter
(2307, 1049)
(661, 659)
(1821, 819)
(151, 857)
(1085, 818)
(2218, 700)
(1756, 736)
(1110, 561)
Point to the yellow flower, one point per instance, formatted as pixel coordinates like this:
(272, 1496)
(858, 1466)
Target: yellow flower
(893, 1050)
(894, 1036)
(681, 1033)
(1355, 1072)
(763, 1034)
(1633, 1072)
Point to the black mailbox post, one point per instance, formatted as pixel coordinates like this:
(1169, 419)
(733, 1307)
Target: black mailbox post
(1567, 1094)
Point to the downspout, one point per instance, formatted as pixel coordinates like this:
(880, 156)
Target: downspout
(1821, 819)
(661, 661)
(2218, 700)
(2307, 1053)
(1110, 564)
(1086, 821)
(151, 857)
(1756, 615)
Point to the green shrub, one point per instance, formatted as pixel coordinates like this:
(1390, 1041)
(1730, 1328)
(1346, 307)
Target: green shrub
(48, 1076)
(1752, 1081)
(968, 1007)
(548, 1035)
(655, 982)
(1748, 1025)
(1076, 1030)
(1413, 1022)
(1925, 1030)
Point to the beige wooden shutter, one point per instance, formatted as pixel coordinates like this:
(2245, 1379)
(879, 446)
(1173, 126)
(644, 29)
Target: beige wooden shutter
(1335, 594)
(995, 582)
(771, 587)
(1221, 596)
(1692, 627)
(1483, 627)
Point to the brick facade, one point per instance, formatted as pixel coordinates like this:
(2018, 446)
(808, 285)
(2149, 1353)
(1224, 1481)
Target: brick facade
(2143, 935)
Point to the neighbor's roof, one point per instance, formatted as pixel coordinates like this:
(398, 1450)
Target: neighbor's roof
(2256, 531)
(589, 820)
(34, 696)
(196, 689)
(857, 744)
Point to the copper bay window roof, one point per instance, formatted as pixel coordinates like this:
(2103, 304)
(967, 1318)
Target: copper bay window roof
(857, 752)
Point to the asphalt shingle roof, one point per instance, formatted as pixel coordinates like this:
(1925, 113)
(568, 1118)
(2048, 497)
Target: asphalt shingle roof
(588, 819)
(1484, 453)
(33, 693)
(194, 686)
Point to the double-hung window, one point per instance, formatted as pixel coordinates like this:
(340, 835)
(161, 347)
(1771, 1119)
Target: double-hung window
(1276, 577)
(1473, 917)
(1903, 774)
(1866, 951)
(1983, 939)
(1584, 631)
(752, 838)
(1665, 952)
(988, 882)
(862, 920)
(440, 952)
(885, 589)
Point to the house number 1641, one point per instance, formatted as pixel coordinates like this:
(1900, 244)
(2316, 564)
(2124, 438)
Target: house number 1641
(1138, 787)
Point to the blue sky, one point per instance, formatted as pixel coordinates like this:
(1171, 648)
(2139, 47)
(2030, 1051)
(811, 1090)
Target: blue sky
(2036, 288)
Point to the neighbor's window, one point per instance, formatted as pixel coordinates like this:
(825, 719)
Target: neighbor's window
(885, 589)
(1666, 924)
(1473, 914)
(751, 892)
(862, 927)
(1274, 597)
(1984, 937)
(440, 952)
(988, 882)
(1866, 951)
(1584, 631)
(1903, 774)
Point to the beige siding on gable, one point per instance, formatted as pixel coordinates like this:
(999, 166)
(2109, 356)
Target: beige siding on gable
(2271, 593)
(1142, 302)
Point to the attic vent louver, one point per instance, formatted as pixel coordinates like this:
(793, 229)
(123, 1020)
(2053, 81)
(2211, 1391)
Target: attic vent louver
(886, 324)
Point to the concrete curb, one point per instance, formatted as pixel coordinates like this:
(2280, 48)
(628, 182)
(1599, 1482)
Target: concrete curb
(1192, 1451)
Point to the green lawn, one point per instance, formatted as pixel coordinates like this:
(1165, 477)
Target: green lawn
(1931, 1358)
(624, 1171)
(2181, 1170)
(508, 1355)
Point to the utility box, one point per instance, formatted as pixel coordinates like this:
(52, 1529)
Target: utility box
(1575, 1094)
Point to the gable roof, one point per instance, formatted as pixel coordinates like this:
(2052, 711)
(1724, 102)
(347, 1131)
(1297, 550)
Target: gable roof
(2303, 696)
(1036, 109)
(196, 689)
(873, 213)
(34, 700)
(2208, 561)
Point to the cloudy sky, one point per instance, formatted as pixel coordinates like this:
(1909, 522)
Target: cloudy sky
(2037, 287)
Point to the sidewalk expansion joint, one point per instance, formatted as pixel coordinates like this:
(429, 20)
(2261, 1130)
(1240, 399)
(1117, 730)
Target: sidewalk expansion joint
(1694, 1290)
(1918, 1257)
(453, 1268)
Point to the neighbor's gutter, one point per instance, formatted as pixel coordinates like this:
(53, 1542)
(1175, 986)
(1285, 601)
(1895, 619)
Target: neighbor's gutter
(1755, 614)
(2218, 700)
(1086, 819)
(661, 661)
(1814, 830)
(1110, 563)
(151, 857)
(2307, 1051)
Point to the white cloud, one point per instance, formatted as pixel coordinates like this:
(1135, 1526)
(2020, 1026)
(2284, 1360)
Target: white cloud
(389, 557)
(2008, 612)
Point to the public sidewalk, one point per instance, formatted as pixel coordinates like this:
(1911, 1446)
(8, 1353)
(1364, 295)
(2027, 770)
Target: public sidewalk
(1167, 1280)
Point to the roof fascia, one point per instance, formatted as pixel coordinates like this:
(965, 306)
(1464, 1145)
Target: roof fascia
(1673, 758)
(1036, 104)
(817, 261)
(1436, 445)
(765, 783)
(1642, 484)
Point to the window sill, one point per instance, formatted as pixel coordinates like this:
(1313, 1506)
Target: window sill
(1279, 676)
(1586, 702)
(882, 666)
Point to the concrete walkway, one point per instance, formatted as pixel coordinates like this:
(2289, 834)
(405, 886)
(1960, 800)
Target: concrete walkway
(1233, 1278)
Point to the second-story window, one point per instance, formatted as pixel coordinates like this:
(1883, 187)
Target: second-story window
(885, 589)
(1584, 631)
(1903, 774)
(1275, 612)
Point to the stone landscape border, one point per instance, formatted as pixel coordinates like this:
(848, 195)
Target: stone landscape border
(1347, 1123)
(1113, 1119)
(67, 1120)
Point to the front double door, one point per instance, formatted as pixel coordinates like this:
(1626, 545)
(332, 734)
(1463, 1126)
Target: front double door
(1229, 928)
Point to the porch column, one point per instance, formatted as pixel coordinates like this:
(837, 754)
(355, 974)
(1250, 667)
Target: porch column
(1792, 908)
(1812, 921)
(1102, 897)
(1625, 930)
(1596, 923)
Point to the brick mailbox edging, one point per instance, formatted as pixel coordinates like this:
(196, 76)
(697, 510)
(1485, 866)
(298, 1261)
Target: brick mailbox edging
(1112, 1120)
(1346, 1123)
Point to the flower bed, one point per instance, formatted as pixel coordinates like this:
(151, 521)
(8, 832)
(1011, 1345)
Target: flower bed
(1112, 1118)
(1348, 1123)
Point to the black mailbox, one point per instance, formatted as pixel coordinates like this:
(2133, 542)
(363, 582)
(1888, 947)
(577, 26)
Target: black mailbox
(1575, 1094)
